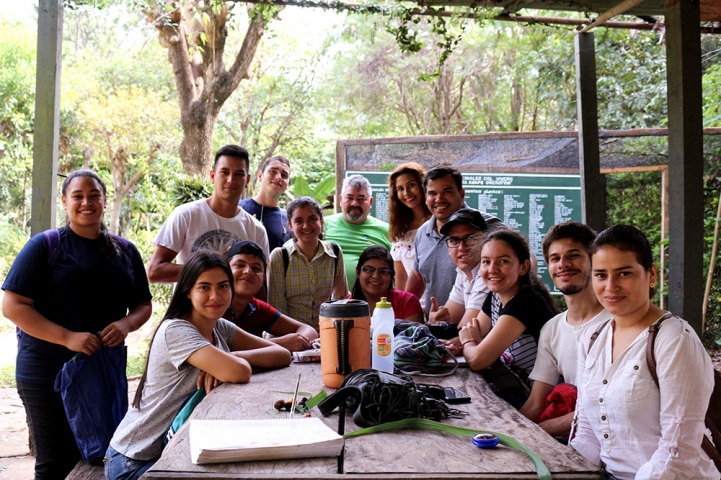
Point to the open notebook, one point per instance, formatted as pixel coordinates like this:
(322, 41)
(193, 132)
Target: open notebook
(221, 441)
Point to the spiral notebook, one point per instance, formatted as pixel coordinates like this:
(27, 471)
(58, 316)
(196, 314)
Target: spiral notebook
(222, 441)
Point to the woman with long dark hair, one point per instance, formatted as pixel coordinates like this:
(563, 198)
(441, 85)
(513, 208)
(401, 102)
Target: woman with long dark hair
(74, 289)
(374, 279)
(407, 211)
(510, 321)
(192, 348)
(620, 403)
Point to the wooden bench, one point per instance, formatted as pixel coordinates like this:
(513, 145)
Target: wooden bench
(87, 471)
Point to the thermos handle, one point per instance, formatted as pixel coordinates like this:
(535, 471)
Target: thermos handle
(342, 330)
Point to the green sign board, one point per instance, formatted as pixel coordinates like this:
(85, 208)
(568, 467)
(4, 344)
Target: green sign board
(527, 203)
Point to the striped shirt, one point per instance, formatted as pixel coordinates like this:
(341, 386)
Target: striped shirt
(299, 291)
(529, 308)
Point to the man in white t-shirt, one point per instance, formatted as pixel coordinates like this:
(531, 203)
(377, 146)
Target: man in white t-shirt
(464, 229)
(211, 223)
(565, 249)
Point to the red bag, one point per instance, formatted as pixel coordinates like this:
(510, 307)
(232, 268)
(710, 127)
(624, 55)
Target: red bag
(560, 401)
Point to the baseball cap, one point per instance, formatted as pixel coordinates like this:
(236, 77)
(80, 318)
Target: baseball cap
(470, 216)
(247, 247)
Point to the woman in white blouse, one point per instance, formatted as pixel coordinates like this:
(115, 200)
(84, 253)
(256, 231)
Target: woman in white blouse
(407, 211)
(639, 430)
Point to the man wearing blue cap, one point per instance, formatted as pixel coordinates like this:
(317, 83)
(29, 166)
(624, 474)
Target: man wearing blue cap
(248, 264)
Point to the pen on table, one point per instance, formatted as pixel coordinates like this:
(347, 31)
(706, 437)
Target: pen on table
(295, 398)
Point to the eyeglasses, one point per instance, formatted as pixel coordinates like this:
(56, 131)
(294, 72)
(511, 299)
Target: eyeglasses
(371, 270)
(468, 241)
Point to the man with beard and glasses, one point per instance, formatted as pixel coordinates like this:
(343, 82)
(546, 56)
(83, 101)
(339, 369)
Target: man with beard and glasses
(434, 273)
(354, 229)
(555, 374)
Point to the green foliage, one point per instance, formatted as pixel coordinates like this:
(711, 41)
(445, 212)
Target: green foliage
(712, 189)
(321, 192)
(712, 97)
(631, 72)
(136, 364)
(7, 376)
(14, 238)
(17, 109)
(190, 188)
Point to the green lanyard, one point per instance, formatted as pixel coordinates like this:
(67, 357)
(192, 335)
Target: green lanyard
(424, 424)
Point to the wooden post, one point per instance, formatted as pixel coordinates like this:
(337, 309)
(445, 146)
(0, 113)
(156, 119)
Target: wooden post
(685, 149)
(712, 264)
(47, 115)
(664, 234)
(593, 191)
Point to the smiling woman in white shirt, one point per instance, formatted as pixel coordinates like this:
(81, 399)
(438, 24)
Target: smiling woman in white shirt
(636, 427)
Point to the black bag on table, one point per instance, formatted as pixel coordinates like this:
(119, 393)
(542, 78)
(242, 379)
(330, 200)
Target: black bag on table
(378, 397)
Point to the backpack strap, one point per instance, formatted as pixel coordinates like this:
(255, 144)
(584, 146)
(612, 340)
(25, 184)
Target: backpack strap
(286, 260)
(650, 344)
(596, 334)
(52, 237)
(336, 250)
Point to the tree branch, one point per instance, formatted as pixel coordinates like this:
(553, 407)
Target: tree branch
(228, 81)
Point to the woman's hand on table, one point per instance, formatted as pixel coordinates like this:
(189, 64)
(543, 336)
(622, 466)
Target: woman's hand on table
(470, 333)
(207, 381)
(453, 346)
(295, 342)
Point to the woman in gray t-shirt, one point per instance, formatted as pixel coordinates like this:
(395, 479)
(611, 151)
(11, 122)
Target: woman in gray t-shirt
(192, 348)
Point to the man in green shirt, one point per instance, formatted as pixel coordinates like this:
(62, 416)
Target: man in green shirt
(354, 229)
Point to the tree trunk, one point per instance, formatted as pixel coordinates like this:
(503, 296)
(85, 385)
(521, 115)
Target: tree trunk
(196, 148)
(195, 36)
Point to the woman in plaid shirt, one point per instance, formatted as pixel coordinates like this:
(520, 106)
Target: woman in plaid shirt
(307, 271)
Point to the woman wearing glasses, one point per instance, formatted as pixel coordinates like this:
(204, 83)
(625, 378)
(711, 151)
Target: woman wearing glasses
(375, 274)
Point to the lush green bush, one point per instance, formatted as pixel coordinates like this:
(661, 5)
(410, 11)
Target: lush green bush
(635, 199)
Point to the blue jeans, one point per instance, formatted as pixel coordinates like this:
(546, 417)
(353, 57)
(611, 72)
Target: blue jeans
(56, 451)
(120, 467)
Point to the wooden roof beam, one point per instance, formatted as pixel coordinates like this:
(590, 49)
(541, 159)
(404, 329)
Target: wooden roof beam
(609, 14)
(574, 22)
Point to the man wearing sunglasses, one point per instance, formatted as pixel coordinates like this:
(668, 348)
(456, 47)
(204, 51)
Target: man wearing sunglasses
(464, 230)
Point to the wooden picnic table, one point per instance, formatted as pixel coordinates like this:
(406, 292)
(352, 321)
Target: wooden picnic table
(396, 455)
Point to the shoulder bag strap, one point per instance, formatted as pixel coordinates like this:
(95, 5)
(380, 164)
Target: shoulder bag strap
(650, 344)
(52, 236)
(596, 334)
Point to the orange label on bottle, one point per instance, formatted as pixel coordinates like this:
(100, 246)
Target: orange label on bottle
(384, 344)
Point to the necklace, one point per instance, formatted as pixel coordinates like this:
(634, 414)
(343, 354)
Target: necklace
(280, 219)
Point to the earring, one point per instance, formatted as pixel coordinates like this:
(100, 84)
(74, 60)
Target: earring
(653, 284)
